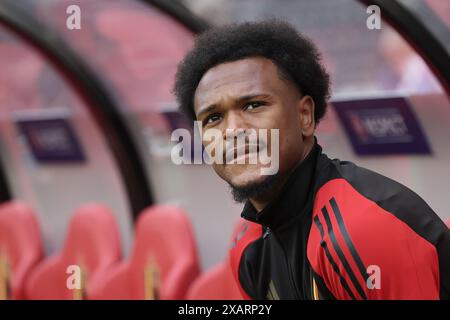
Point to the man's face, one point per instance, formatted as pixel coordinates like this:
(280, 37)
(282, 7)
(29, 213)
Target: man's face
(250, 94)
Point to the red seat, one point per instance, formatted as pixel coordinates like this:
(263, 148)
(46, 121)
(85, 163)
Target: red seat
(218, 283)
(20, 247)
(215, 284)
(163, 262)
(92, 243)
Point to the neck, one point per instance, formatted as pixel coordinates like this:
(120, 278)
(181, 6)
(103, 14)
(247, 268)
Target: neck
(263, 200)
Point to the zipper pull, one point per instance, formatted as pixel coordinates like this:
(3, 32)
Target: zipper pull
(266, 233)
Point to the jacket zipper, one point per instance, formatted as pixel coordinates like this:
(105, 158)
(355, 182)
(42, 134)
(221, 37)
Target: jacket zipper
(266, 233)
(291, 276)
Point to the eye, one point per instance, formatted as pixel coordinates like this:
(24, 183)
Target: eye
(253, 105)
(212, 118)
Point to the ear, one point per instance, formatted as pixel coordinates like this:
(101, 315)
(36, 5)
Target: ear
(307, 121)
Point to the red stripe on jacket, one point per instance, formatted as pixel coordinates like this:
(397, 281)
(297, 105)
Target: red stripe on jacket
(408, 264)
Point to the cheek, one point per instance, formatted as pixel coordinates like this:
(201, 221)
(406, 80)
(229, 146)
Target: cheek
(291, 146)
(289, 136)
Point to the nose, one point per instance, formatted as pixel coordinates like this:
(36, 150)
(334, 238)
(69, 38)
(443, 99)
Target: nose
(234, 125)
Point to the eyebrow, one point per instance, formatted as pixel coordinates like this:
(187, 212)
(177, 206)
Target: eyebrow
(213, 106)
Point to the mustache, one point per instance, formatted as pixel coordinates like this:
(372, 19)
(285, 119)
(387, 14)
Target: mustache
(242, 146)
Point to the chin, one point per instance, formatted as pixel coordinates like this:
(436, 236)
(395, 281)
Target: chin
(243, 177)
(244, 187)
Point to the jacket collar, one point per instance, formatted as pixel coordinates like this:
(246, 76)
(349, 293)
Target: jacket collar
(293, 197)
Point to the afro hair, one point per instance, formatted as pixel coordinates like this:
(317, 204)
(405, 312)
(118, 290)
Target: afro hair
(294, 54)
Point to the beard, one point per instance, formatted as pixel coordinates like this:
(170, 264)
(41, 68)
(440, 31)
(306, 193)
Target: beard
(254, 190)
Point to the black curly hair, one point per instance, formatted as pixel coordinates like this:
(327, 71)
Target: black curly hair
(296, 57)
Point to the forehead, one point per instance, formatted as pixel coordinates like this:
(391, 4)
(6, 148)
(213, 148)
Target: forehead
(233, 79)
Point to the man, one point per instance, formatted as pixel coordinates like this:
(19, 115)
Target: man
(318, 228)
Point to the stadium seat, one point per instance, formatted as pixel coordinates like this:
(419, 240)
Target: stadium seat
(217, 283)
(20, 247)
(91, 247)
(163, 261)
